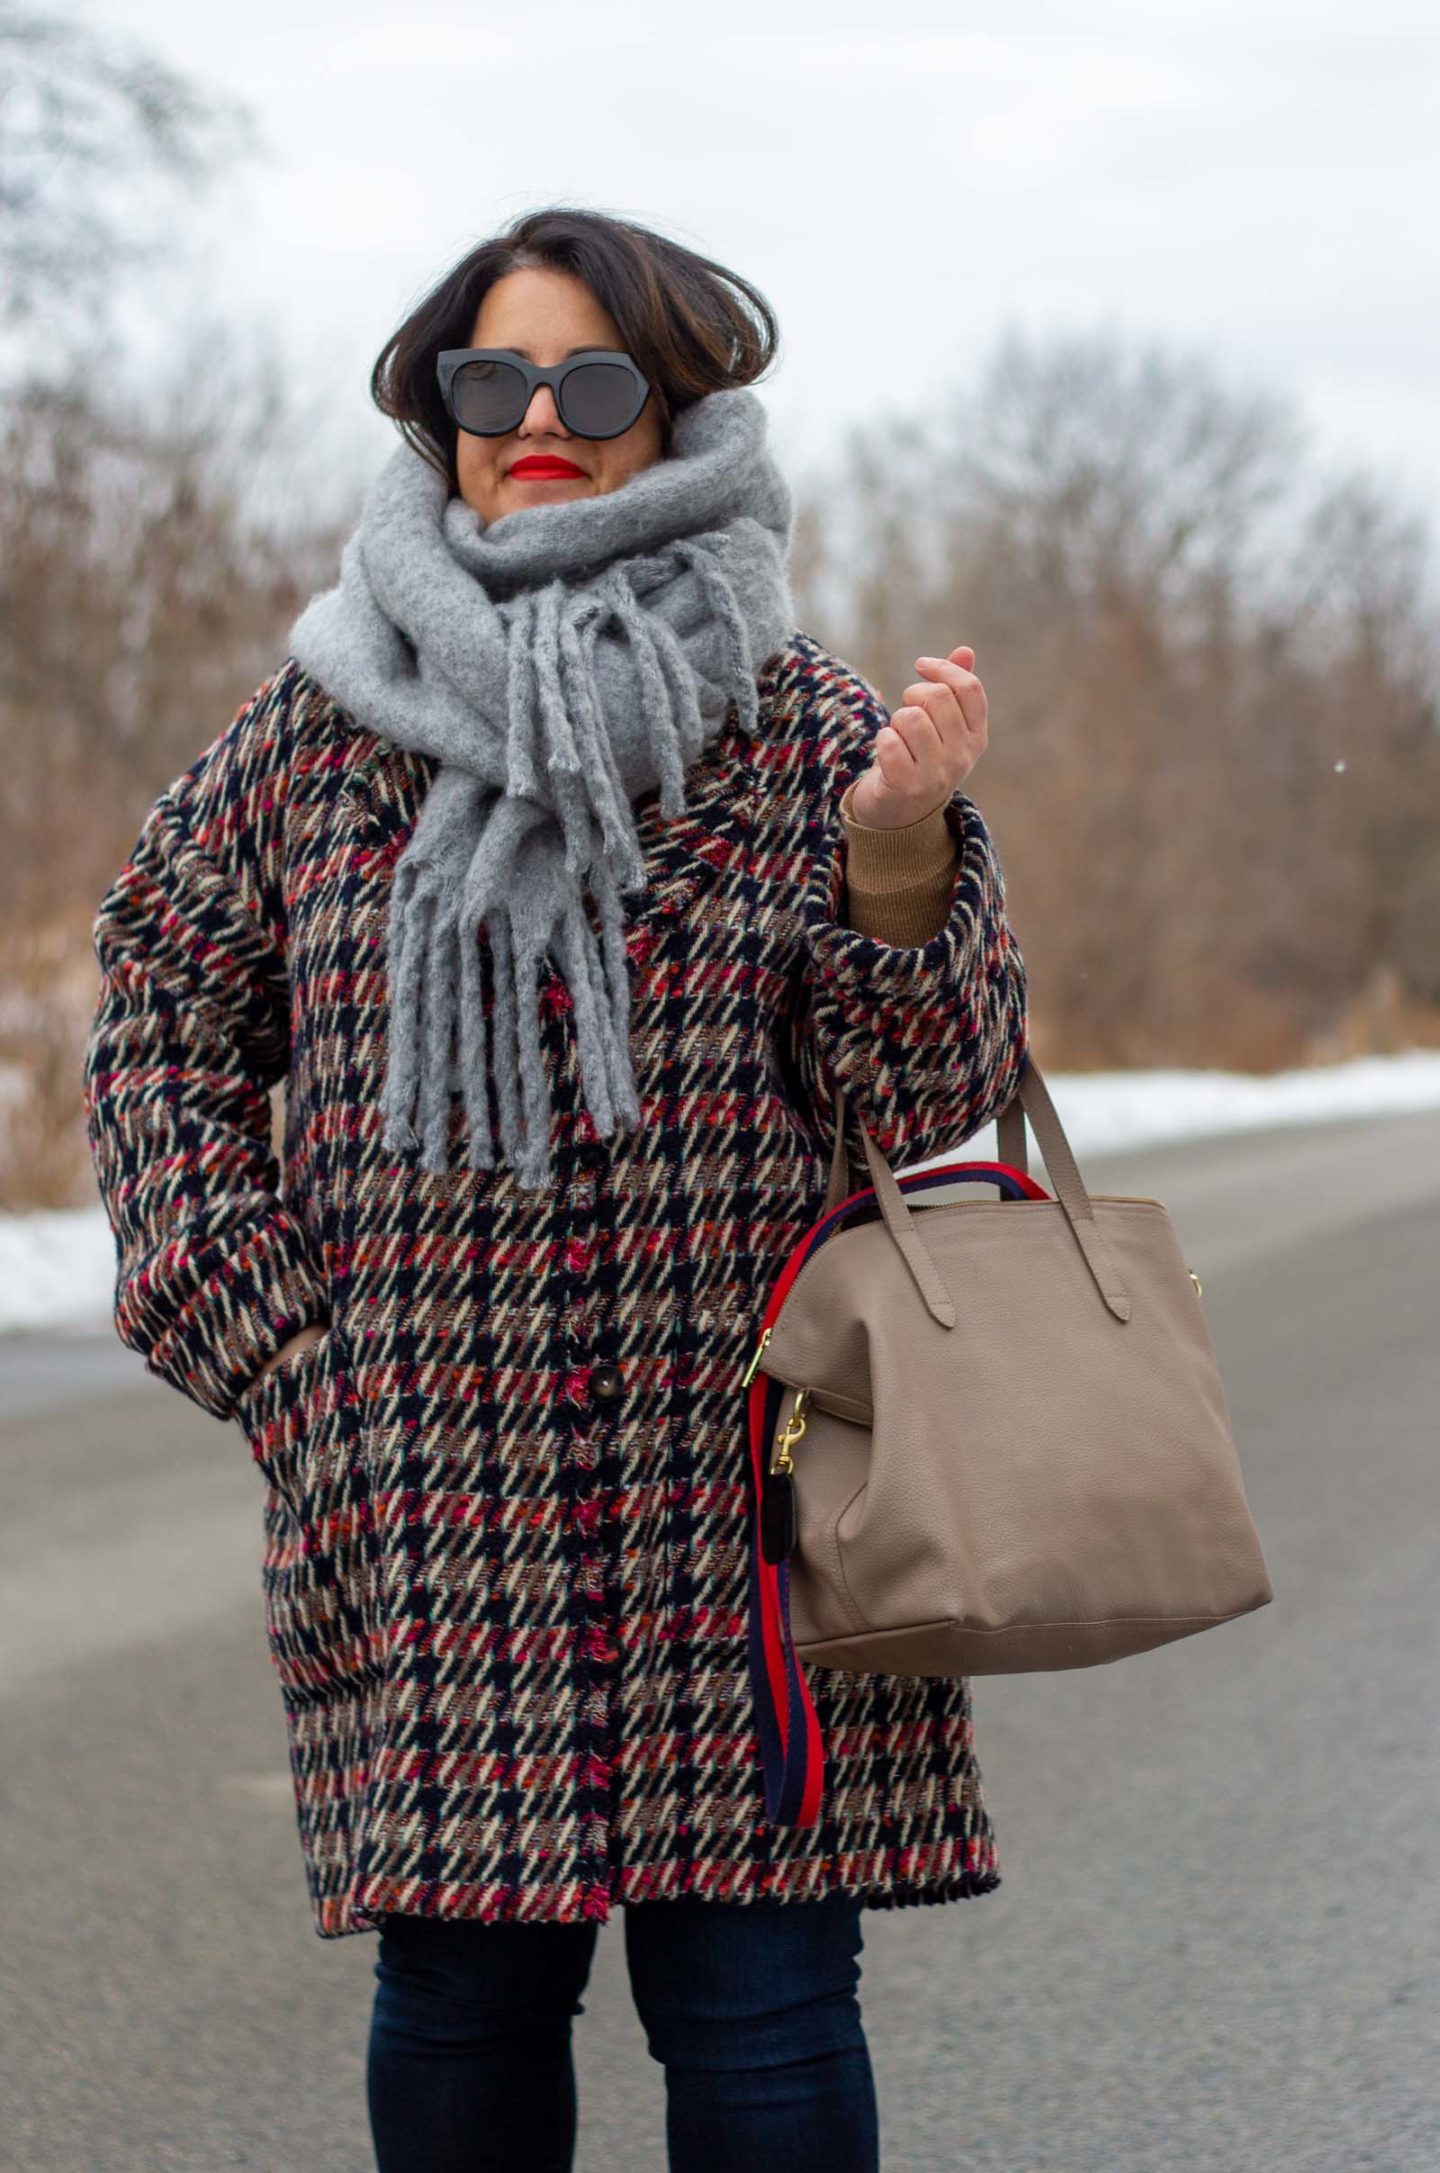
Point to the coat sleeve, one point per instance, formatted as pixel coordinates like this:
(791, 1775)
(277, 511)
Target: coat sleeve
(191, 1031)
(929, 1039)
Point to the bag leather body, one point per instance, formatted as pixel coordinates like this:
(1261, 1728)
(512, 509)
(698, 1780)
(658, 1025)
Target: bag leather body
(1014, 1450)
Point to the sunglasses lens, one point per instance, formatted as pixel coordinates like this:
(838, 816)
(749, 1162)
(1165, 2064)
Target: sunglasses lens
(488, 397)
(599, 400)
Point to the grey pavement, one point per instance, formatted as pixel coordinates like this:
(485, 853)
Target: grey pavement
(1217, 1943)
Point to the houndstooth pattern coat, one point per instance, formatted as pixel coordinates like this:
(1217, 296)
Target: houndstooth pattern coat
(505, 1496)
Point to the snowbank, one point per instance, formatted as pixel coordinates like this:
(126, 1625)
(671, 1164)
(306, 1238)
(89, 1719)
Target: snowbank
(58, 1270)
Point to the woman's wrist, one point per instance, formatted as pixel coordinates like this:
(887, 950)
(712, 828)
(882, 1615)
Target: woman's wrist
(899, 857)
(300, 1341)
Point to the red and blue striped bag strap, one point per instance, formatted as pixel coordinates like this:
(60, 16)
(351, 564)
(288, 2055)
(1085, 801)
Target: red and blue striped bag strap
(791, 1747)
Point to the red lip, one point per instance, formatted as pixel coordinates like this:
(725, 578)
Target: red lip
(541, 465)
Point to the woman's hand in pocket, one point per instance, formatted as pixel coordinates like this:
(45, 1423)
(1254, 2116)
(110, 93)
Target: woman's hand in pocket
(303, 1340)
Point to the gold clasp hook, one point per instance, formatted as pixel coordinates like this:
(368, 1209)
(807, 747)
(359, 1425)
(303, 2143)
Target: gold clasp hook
(782, 1461)
(1199, 1286)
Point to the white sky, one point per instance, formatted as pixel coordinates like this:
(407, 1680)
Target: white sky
(1249, 184)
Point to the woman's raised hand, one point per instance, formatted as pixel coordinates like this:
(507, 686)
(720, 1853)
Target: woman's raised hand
(929, 747)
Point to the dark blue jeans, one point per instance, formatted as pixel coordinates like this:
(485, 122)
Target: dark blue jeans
(751, 2007)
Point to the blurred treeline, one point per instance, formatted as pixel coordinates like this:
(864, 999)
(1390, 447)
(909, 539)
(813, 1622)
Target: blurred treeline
(1214, 770)
(1214, 685)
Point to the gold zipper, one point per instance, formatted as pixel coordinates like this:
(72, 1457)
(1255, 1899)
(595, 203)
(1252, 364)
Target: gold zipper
(754, 1365)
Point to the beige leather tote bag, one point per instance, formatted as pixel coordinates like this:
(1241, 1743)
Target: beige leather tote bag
(987, 1435)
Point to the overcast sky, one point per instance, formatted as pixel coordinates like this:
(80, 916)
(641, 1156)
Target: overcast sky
(1260, 187)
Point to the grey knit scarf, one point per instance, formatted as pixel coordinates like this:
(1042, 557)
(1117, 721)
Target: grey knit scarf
(557, 663)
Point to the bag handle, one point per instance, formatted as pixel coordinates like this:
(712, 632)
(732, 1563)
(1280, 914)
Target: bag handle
(1031, 1099)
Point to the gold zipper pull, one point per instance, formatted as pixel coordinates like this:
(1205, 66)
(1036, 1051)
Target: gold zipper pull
(754, 1365)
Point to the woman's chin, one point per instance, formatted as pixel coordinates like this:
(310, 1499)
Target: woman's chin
(543, 489)
(513, 494)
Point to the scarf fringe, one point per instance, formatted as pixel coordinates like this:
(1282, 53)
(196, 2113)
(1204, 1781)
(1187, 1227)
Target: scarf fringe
(551, 696)
(410, 913)
(522, 778)
(655, 689)
(612, 800)
(742, 663)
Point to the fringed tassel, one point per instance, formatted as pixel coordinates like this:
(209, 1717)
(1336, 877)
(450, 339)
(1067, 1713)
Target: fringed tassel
(437, 1040)
(521, 703)
(607, 802)
(715, 582)
(502, 953)
(690, 723)
(617, 991)
(570, 787)
(661, 714)
(559, 751)
(602, 1036)
(579, 960)
(532, 1147)
(520, 1084)
(473, 1082)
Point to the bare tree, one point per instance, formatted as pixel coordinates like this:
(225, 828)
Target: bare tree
(1213, 669)
(154, 540)
(143, 599)
(99, 142)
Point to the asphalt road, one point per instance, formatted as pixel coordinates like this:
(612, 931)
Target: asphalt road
(1216, 1943)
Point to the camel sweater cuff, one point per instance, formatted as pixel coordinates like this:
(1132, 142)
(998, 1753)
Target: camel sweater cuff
(898, 881)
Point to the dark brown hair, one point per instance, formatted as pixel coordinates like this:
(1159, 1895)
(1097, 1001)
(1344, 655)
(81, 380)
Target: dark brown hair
(692, 326)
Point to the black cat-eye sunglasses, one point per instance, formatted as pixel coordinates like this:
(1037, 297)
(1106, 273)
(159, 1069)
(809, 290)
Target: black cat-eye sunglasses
(487, 390)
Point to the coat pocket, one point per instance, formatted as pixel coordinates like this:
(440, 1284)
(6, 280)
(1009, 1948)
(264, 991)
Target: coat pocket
(306, 1430)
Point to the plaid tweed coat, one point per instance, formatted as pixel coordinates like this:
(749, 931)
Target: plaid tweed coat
(505, 1497)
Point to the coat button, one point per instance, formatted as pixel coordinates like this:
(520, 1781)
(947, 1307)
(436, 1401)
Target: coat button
(606, 1384)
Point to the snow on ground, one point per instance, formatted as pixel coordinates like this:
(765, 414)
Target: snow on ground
(1107, 1112)
(58, 1270)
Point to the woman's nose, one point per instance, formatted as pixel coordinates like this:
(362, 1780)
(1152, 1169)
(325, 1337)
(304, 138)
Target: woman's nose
(543, 414)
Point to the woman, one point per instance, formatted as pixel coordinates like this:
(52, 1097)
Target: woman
(543, 1154)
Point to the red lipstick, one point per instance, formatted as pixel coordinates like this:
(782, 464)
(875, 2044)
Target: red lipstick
(540, 465)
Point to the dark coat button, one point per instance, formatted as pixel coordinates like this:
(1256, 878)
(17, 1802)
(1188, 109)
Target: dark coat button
(606, 1384)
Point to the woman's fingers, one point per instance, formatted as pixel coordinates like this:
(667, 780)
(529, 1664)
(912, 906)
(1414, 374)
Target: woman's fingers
(920, 742)
(952, 694)
(931, 742)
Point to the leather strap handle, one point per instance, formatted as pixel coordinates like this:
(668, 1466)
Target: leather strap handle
(1010, 1133)
(1031, 1099)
